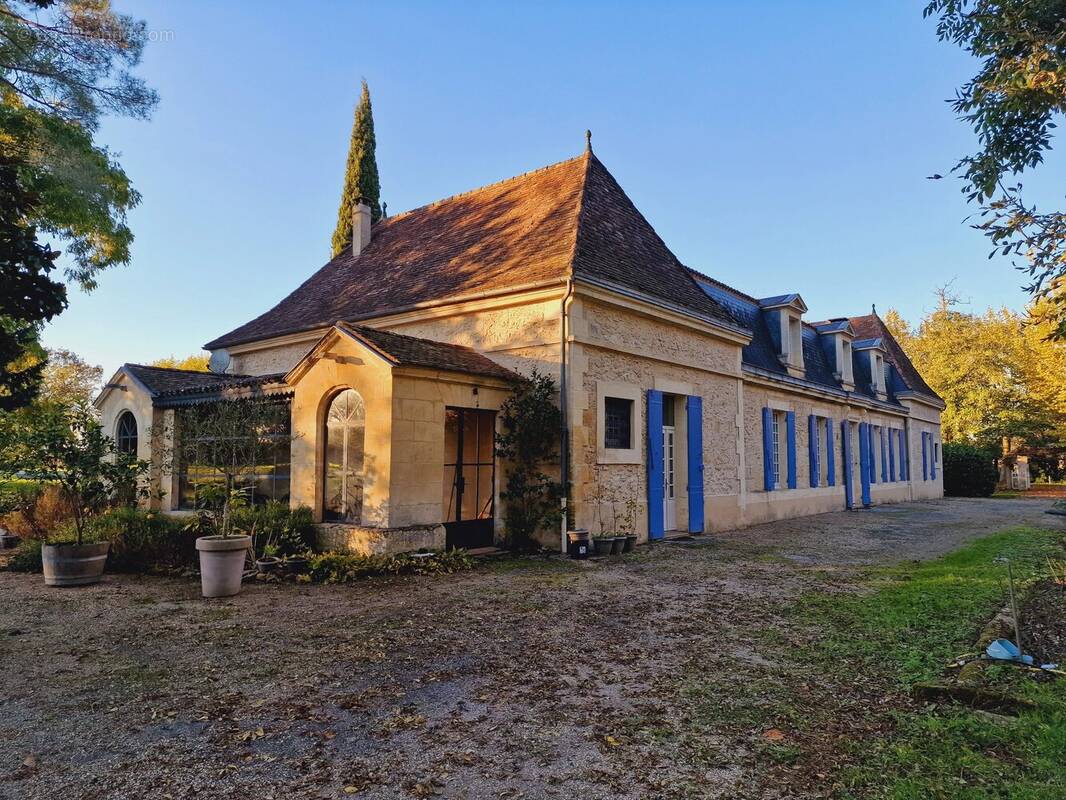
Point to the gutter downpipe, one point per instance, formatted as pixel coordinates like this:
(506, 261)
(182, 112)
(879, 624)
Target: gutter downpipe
(564, 433)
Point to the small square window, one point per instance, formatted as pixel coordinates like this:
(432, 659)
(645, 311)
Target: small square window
(618, 423)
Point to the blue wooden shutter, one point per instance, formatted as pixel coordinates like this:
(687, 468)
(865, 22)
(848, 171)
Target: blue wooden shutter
(903, 454)
(925, 457)
(790, 424)
(830, 460)
(892, 455)
(694, 406)
(812, 448)
(768, 449)
(884, 457)
(845, 453)
(871, 464)
(864, 462)
(655, 464)
(932, 458)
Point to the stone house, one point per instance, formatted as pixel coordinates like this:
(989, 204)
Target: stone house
(711, 408)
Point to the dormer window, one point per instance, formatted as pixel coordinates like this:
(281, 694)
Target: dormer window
(784, 317)
(872, 353)
(835, 336)
(847, 370)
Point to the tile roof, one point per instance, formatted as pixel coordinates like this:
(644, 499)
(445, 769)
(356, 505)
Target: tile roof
(762, 354)
(405, 350)
(908, 378)
(164, 381)
(571, 219)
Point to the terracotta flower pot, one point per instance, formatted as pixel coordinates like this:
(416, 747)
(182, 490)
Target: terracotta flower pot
(222, 564)
(74, 564)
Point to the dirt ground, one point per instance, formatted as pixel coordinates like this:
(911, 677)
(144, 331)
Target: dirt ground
(635, 677)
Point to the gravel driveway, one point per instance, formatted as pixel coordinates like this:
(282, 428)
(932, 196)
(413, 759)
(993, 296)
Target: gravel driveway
(531, 678)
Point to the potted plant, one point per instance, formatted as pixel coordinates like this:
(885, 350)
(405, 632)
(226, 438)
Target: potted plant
(227, 438)
(617, 543)
(604, 543)
(64, 445)
(269, 562)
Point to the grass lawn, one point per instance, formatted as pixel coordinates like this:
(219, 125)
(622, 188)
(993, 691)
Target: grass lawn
(917, 618)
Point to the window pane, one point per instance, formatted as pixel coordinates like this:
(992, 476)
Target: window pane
(484, 492)
(486, 432)
(343, 468)
(617, 416)
(470, 505)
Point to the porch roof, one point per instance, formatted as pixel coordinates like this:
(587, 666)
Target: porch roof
(170, 387)
(411, 351)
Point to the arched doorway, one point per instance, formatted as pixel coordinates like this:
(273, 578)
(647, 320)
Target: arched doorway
(342, 481)
(126, 434)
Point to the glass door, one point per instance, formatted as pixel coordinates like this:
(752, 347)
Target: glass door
(469, 477)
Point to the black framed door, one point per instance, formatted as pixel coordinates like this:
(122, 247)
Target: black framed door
(469, 477)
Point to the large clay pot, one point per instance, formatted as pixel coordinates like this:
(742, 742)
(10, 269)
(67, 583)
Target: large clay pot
(74, 564)
(222, 564)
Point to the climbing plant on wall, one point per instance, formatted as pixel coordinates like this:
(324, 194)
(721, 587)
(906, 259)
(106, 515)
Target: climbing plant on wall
(528, 444)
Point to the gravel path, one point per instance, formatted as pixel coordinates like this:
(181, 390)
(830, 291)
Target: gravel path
(534, 678)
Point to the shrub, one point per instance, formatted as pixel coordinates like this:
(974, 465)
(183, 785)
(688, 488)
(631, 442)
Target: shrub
(143, 540)
(36, 510)
(276, 529)
(27, 557)
(345, 567)
(968, 471)
(528, 444)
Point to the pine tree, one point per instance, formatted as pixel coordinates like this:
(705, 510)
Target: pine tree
(361, 178)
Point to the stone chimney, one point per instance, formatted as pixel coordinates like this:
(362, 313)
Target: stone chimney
(360, 226)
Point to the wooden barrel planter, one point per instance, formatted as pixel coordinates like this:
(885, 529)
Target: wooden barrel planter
(74, 564)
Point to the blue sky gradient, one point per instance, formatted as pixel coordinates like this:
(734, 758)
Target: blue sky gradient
(775, 146)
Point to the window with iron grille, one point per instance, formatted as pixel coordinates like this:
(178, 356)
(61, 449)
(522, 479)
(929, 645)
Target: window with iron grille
(618, 423)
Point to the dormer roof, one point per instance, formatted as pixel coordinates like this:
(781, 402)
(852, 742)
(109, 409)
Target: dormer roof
(784, 301)
(834, 326)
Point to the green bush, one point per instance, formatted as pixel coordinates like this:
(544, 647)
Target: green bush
(276, 529)
(345, 567)
(27, 557)
(969, 471)
(143, 540)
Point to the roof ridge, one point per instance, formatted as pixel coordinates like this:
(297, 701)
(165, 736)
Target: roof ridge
(588, 156)
(188, 371)
(469, 192)
(721, 284)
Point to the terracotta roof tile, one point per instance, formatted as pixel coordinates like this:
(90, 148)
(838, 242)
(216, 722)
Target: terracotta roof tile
(568, 219)
(872, 326)
(165, 381)
(411, 351)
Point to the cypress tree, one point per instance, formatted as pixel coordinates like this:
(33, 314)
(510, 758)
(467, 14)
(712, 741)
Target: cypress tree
(361, 177)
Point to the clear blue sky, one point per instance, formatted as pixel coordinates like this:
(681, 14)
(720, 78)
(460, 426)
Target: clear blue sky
(776, 146)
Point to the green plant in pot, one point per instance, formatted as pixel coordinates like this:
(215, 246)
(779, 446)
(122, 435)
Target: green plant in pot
(604, 543)
(226, 439)
(64, 447)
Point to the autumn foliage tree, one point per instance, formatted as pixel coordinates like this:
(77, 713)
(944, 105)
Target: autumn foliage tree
(998, 372)
(1012, 103)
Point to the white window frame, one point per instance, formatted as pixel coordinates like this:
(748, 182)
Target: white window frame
(779, 456)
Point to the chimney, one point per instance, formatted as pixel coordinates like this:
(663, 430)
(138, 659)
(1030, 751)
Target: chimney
(360, 226)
